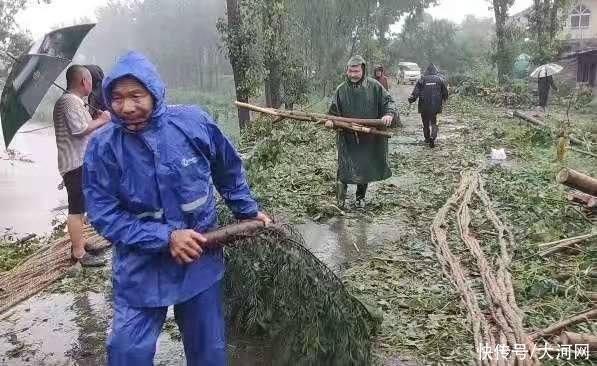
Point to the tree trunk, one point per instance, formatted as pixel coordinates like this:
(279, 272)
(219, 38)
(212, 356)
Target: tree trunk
(579, 181)
(238, 67)
(272, 88)
(500, 9)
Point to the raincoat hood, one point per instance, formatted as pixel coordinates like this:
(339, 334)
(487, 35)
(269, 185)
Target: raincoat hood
(357, 60)
(431, 70)
(134, 64)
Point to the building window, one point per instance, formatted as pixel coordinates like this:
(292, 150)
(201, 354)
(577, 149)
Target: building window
(580, 17)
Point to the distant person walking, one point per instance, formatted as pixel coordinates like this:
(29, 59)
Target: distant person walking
(432, 92)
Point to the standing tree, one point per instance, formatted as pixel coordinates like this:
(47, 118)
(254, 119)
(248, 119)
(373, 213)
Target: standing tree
(502, 56)
(239, 38)
(546, 20)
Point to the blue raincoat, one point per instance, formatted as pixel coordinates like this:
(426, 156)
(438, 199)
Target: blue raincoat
(140, 186)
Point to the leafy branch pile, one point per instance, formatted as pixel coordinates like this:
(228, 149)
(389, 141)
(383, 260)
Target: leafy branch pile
(277, 288)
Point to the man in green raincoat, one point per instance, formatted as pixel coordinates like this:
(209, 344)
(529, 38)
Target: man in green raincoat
(362, 157)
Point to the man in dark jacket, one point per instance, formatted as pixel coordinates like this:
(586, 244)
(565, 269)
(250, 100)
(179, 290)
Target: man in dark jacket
(432, 92)
(362, 157)
(544, 84)
(96, 98)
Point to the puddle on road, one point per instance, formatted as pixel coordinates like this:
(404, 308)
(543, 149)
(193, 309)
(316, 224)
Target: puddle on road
(343, 239)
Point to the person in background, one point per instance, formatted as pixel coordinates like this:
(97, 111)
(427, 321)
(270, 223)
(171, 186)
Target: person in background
(432, 92)
(362, 157)
(544, 84)
(379, 75)
(73, 126)
(96, 98)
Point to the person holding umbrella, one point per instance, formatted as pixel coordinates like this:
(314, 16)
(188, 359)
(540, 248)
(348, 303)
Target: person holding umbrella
(544, 75)
(73, 126)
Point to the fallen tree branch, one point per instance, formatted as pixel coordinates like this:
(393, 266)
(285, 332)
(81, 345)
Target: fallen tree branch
(538, 123)
(228, 233)
(558, 326)
(356, 124)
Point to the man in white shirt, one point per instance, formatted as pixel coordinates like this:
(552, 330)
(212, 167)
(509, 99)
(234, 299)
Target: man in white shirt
(73, 125)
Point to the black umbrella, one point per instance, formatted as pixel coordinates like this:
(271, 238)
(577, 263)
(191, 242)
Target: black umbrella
(33, 73)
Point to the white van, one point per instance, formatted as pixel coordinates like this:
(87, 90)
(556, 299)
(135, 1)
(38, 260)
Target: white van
(409, 72)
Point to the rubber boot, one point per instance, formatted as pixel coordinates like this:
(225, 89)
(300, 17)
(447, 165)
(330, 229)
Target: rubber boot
(341, 189)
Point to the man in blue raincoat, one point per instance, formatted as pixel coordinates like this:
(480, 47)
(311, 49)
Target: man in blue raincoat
(148, 182)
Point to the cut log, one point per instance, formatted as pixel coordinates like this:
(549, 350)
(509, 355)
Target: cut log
(558, 326)
(577, 180)
(577, 338)
(583, 198)
(535, 121)
(229, 233)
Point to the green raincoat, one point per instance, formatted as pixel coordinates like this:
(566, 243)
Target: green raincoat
(362, 157)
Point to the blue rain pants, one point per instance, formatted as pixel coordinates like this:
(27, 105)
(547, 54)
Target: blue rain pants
(201, 322)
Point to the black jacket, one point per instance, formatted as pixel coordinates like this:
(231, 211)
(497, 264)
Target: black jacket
(96, 98)
(431, 90)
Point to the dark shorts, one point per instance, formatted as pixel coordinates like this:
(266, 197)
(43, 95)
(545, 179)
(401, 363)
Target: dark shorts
(74, 190)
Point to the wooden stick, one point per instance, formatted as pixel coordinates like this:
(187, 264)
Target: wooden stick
(307, 116)
(228, 233)
(358, 128)
(556, 327)
(577, 180)
(574, 240)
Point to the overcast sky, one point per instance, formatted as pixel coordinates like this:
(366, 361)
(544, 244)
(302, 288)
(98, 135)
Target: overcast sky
(39, 19)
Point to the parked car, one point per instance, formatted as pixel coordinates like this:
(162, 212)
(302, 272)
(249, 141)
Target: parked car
(409, 72)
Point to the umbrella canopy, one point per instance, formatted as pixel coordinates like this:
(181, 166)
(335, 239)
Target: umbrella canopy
(546, 70)
(30, 78)
(63, 42)
(34, 73)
